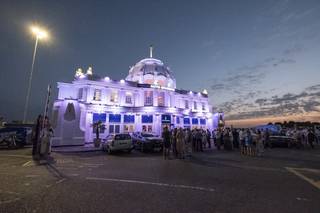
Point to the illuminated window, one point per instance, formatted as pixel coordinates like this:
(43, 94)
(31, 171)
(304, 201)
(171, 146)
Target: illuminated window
(148, 98)
(128, 98)
(186, 104)
(146, 128)
(97, 95)
(114, 96)
(128, 128)
(161, 99)
(195, 105)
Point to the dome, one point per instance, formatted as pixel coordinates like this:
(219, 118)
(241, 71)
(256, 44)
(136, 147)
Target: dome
(151, 71)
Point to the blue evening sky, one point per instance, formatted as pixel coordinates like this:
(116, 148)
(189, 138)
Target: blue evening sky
(256, 58)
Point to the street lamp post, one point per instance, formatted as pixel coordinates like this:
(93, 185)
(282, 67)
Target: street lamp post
(39, 34)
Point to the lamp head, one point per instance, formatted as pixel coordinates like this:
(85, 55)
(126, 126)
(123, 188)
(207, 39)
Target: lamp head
(39, 32)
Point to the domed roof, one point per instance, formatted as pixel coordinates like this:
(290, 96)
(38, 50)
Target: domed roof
(151, 71)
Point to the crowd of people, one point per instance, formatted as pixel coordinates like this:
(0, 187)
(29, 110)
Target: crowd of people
(303, 137)
(252, 142)
(182, 142)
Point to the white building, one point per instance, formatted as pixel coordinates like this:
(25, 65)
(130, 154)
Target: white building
(147, 100)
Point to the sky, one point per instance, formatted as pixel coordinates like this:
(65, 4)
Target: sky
(258, 59)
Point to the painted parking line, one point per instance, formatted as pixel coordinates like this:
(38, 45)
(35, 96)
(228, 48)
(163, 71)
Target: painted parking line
(16, 156)
(152, 183)
(26, 163)
(299, 174)
(60, 181)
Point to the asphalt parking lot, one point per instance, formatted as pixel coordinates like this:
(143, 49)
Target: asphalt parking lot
(283, 180)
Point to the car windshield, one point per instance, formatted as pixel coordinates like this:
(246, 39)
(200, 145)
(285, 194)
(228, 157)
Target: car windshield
(123, 137)
(147, 135)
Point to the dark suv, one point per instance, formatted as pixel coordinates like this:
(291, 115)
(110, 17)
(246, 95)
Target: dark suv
(145, 142)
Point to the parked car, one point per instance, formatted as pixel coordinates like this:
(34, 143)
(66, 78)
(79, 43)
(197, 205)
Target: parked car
(281, 141)
(117, 142)
(14, 137)
(145, 142)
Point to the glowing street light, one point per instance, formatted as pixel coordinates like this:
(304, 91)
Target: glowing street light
(40, 34)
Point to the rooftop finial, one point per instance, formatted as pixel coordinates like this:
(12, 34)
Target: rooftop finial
(151, 51)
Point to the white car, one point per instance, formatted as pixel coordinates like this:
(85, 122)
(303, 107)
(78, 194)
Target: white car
(118, 142)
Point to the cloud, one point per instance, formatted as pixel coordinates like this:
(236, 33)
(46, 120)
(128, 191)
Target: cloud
(306, 102)
(283, 61)
(245, 77)
(217, 86)
(297, 48)
(314, 88)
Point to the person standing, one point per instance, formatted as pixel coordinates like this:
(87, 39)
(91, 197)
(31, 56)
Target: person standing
(249, 143)
(214, 137)
(46, 135)
(194, 140)
(227, 140)
(242, 141)
(199, 140)
(203, 139)
(209, 138)
(311, 138)
(166, 142)
(235, 136)
(36, 135)
(180, 143)
(219, 138)
(174, 142)
(259, 145)
(188, 141)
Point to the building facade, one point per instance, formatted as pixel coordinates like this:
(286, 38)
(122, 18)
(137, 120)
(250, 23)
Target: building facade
(146, 100)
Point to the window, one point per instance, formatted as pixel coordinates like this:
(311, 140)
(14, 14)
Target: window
(148, 98)
(161, 99)
(195, 121)
(165, 119)
(186, 120)
(147, 119)
(111, 128)
(101, 130)
(195, 105)
(114, 118)
(97, 95)
(80, 93)
(99, 117)
(202, 121)
(128, 128)
(114, 128)
(128, 98)
(203, 106)
(186, 104)
(178, 120)
(147, 128)
(128, 119)
(114, 96)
